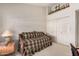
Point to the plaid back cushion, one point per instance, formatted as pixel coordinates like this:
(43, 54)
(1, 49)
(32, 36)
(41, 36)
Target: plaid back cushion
(28, 35)
(39, 34)
(25, 34)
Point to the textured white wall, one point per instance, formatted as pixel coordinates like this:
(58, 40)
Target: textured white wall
(23, 17)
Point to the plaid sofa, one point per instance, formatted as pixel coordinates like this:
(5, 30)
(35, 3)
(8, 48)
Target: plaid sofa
(31, 42)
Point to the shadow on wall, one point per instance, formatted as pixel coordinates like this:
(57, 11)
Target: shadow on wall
(52, 37)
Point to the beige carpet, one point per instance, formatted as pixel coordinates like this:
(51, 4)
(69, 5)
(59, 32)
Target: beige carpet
(54, 50)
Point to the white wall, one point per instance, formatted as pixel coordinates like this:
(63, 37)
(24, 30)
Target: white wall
(23, 17)
(62, 25)
(77, 26)
(1, 23)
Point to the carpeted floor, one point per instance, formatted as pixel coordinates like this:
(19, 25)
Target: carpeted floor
(55, 50)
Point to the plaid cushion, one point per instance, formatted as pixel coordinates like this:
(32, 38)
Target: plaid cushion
(25, 34)
(29, 35)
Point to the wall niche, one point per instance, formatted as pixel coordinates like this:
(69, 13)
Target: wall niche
(52, 8)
